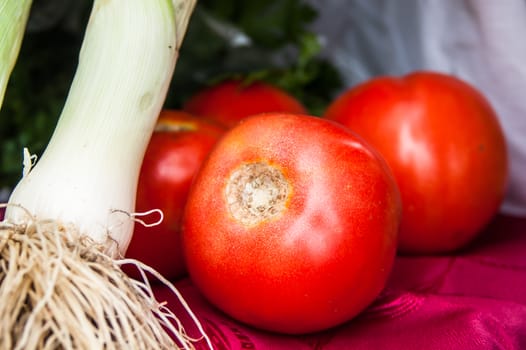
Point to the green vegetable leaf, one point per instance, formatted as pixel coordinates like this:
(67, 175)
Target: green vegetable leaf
(258, 39)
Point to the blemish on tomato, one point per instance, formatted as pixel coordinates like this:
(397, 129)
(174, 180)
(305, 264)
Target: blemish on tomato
(256, 192)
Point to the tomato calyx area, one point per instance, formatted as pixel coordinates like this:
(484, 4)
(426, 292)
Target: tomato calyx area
(256, 192)
(168, 126)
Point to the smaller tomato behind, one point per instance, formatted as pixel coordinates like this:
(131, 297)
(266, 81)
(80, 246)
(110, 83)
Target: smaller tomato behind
(176, 150)
(232, 100)
(443, 141)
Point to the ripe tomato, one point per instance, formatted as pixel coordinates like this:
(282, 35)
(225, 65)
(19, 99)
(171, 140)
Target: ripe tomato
(291, 224)
(445, 146)
(232, 100)
(176, 150)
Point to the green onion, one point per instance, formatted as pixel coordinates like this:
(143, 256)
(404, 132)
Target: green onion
(13, 20)
(70, 218)
(87, 176)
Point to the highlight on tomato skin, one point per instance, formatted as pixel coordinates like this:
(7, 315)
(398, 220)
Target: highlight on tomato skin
(291, 224)
(444, 143)
(232, 100)
(176, 150)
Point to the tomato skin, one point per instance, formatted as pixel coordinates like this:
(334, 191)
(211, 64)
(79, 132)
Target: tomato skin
(176, 150)
(443, 141)
(232, 100)
(319, 262)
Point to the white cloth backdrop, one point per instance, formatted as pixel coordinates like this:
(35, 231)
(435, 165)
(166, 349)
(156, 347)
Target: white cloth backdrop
(480, 41)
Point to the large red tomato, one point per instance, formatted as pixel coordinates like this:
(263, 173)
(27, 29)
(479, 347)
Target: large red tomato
(291, 224)
(232, 100)
(445, 146)
(176, 150)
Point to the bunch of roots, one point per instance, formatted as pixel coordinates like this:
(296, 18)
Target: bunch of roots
(61, 291)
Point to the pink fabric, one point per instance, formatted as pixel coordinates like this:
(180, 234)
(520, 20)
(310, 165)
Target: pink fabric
(475, 299)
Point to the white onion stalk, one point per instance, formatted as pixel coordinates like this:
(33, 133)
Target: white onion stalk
(13, 20)
(70, 218)
(87, 176)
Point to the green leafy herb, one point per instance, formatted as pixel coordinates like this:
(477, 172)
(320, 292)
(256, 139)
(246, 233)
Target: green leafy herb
(257, 39)
(34, 98)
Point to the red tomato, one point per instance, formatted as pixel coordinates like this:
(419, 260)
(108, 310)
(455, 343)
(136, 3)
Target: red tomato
(176, 150)
(445, 146)
(291, 224)
(232, 100)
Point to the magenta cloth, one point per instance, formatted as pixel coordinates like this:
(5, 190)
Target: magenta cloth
(474, 299)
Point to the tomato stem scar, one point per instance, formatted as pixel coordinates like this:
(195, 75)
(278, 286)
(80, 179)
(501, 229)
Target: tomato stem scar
(256, 192)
